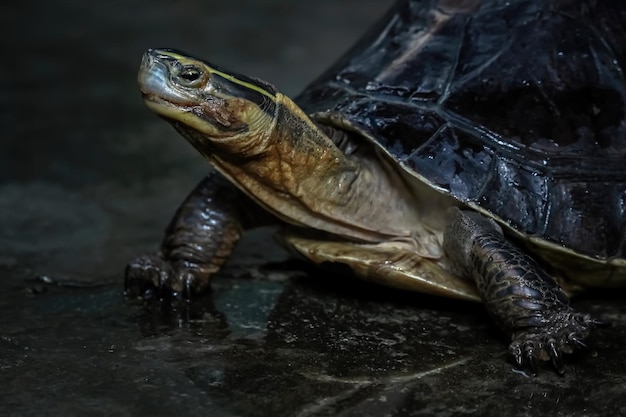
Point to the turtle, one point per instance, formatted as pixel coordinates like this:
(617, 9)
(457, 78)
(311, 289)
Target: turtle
(470, 149)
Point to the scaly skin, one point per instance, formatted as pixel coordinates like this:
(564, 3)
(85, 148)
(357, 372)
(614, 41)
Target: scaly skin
(526, 302)
(198, 240)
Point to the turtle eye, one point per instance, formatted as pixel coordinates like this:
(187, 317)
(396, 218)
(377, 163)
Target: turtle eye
(190, 76)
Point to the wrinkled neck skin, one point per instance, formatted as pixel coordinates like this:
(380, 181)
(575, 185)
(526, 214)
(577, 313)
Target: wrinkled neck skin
(296, 172)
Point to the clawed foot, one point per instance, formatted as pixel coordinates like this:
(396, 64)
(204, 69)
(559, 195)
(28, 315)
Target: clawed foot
(152, 277)
(564, 333)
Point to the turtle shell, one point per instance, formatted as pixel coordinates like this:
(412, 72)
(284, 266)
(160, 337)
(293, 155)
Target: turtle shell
(516, 108)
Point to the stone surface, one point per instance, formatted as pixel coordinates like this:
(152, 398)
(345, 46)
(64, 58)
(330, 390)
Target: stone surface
(89, 178)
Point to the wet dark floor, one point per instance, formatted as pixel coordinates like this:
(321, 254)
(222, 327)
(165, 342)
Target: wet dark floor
(89, 179)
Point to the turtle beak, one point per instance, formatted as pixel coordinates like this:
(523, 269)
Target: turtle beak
(153, 72)
(156, 81)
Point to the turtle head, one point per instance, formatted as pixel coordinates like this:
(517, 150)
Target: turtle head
(270, 149)
(216, 110)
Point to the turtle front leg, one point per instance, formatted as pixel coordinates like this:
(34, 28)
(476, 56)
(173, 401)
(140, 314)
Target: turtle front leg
(526, 302)
(198, 240)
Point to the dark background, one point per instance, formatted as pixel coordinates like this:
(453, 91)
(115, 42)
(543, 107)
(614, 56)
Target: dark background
(89, 179)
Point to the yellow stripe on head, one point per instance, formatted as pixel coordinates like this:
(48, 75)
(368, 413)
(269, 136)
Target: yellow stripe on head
(258, 86)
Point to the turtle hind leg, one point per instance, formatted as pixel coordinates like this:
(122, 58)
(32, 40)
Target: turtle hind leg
(198, 240)
(524, 300)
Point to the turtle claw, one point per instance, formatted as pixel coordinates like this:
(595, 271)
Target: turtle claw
(525, 355)
(516, 352)
(564, 333)
(151, 277)
(556, 357)
(145, 276)
(578, 342)
(534, 366)
(598, 324)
